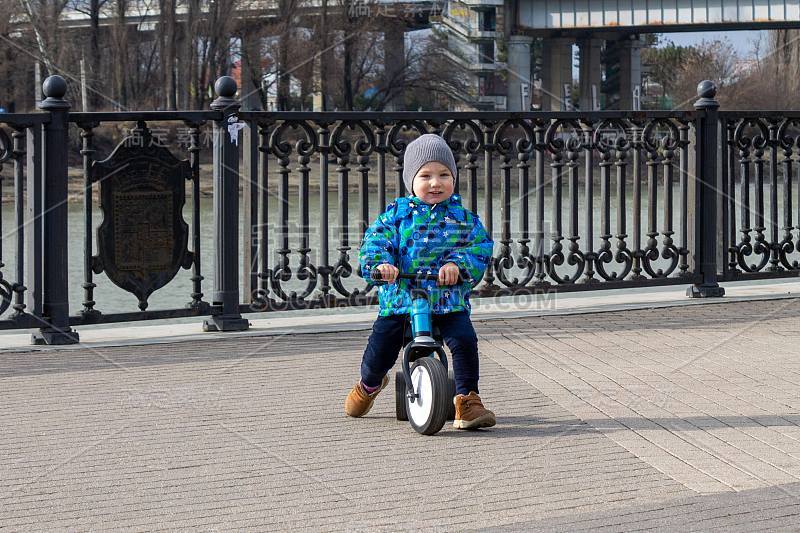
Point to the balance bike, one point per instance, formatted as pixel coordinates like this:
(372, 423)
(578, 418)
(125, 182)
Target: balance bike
(424, 389)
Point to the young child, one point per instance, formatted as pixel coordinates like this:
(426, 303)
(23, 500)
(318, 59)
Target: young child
(427, 231)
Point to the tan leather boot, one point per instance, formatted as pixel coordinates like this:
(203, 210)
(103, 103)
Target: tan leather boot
(470, 412)
(358, 402)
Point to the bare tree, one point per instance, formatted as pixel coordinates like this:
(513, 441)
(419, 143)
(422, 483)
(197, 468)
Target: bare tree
(784, 51)
(14, 78)
(215, 27)
(168, 37)
(189, 64)
(286, 13)
(431, 79)
(716, 61)
(664, 62)
(43, 17)
(92, 9)
(167, 53)
(289, 52)
(252, 64)
(119, 52)
(781, 68)
(322, 36)
(770, 81)
(360, 33)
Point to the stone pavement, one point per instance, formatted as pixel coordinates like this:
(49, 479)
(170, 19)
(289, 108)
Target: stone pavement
(675, 418)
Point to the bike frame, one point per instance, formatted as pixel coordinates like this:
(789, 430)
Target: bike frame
(422, 344)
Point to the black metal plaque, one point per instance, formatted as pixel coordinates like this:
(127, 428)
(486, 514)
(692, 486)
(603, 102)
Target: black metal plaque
(143, 239)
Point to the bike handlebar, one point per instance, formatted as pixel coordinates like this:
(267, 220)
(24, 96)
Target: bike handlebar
(377, 276)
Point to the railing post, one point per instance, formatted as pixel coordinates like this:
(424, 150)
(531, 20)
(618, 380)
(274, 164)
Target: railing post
(33, 221)
(52, 238)
(706, 230)
(251, 158)
(226, 212)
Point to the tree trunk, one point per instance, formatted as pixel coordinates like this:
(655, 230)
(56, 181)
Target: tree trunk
(348, 73)
(284, 77)
(782, 64)
(190, 53)
(284, 35)
(252, 94)
(347, 82)
(121, 61)
(324, 55)
(208, 63)
(38, 32)
(94, 52)
(170, 51)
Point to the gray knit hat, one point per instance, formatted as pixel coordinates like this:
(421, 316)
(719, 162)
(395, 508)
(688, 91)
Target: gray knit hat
(425, 149)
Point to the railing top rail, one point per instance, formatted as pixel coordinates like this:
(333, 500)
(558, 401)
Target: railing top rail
(779, 115)
(24, 119)
(463, 115)
(128, 116)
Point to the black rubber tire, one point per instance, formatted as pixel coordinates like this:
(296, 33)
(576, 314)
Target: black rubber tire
(440, 390)
(400, 396)
(451, 412)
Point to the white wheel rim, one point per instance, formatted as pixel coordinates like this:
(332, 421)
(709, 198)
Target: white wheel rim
(419, 410)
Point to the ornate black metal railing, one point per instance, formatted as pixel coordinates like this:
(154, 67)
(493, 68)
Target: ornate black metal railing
(133, 171)
(759, 182)
(574, 201)
(20, 146)
(532, 157)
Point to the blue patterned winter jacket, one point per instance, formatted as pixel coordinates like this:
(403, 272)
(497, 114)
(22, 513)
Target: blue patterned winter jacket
(417, 237)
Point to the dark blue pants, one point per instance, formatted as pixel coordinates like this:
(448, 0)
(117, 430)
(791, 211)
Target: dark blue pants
(386, 340)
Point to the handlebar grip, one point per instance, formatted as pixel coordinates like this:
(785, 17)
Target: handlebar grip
(376, 275)
(428, 277)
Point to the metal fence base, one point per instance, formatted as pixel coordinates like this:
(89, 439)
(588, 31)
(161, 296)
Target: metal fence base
(55, 337)
(705, 291)
(223, 323)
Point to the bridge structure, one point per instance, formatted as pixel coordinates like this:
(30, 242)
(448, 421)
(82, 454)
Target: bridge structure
(506, 31)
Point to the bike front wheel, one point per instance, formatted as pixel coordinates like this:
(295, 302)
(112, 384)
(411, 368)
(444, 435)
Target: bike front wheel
(427, 411)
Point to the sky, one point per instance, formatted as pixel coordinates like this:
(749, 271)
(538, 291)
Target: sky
(742, 40)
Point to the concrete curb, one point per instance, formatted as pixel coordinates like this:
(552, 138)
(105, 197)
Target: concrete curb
(610, 301)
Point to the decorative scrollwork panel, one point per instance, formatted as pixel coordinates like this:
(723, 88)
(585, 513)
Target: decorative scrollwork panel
(569, 200)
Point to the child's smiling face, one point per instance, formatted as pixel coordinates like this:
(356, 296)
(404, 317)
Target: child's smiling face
(433, 183)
